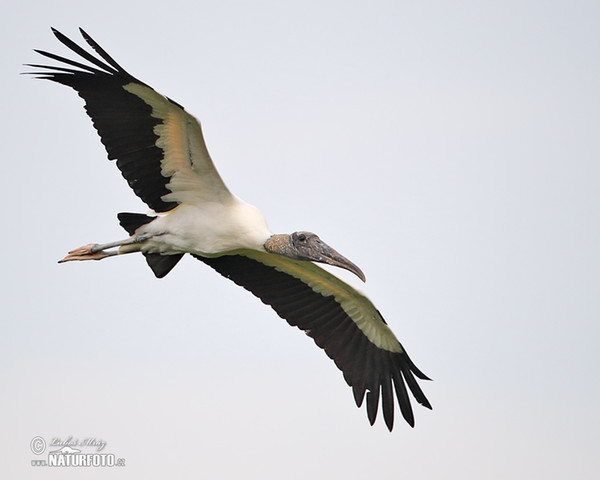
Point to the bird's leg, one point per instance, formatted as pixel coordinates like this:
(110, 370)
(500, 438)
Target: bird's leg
(98, 251)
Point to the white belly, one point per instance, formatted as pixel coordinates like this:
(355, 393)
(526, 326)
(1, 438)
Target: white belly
(207, 229)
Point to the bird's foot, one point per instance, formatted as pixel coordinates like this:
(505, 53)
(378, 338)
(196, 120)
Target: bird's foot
(98, 251)
(91, 251)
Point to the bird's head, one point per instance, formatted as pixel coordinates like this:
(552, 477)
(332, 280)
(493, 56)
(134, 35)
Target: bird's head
(308, 246)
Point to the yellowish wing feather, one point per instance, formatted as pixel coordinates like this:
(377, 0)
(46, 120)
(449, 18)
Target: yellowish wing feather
(194, 178)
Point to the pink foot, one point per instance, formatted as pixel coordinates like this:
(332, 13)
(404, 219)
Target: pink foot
(85, 253)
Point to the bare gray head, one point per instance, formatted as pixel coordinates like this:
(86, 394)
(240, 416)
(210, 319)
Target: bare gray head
(308, 246)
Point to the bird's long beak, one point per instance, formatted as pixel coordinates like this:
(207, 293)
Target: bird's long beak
(309, 247)
(328, 255)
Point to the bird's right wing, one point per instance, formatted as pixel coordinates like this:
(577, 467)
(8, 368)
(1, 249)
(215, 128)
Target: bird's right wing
(340, 320)
(158, 146)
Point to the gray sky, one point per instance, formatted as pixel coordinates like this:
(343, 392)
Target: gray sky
(450, 149)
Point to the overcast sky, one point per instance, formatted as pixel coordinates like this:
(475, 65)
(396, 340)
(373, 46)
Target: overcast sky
(450, 149)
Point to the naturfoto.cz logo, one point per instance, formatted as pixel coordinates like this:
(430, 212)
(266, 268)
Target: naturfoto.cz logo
(71, 452)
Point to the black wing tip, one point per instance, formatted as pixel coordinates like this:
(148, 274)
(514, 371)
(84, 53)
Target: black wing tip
(414, 386)
(403, 377)
(359, 395)
(418, 372)
(403, 372)
(59, 35)
(410, 421)
(88, 38)
(372, 405)
(102, 61)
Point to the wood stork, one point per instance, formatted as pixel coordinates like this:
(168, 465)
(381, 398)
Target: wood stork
(160, 151)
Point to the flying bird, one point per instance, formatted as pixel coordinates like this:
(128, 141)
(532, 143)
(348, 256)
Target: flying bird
(159, 149)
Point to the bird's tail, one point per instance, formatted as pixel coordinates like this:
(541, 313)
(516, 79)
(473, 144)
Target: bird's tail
(132, 221)
(160, 264)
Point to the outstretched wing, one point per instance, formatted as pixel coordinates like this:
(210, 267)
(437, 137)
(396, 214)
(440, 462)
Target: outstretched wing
(158, 146)
(340, 320)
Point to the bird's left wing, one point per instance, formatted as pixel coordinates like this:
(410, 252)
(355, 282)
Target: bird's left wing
(158, 146)
(341, 321)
